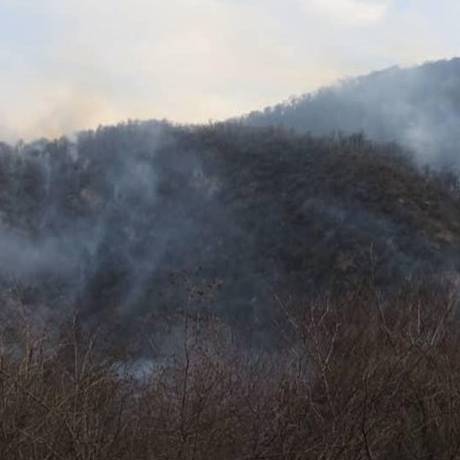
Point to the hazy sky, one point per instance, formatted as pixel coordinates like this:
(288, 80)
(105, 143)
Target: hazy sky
(72, 64)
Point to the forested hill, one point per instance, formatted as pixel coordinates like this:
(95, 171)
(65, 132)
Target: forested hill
(418, 107)
(146, 216)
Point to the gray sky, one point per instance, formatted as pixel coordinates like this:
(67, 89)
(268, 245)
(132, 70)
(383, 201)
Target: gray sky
(73, 64)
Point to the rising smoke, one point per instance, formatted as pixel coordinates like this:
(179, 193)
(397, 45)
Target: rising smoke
(144, 217)
(417, 107)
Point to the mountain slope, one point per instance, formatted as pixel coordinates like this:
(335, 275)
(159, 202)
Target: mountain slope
(145, 216)
(417, 107)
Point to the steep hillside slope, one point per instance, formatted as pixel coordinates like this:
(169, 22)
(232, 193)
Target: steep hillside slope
(418, 107)
(145, 216)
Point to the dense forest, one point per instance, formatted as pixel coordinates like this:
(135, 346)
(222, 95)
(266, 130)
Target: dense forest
(284, 285)
(126, 218)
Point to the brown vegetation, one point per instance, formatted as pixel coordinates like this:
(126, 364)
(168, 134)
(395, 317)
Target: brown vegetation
(350, 378)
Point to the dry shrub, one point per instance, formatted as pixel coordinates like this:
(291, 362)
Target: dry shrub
(360, 376)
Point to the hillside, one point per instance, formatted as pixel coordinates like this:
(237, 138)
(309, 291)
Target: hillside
(131, 219)
(174, 242)
(417, 107)
(233, 290)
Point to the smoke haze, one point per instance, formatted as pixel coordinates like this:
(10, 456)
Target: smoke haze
(417, 107)
(75, 65)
